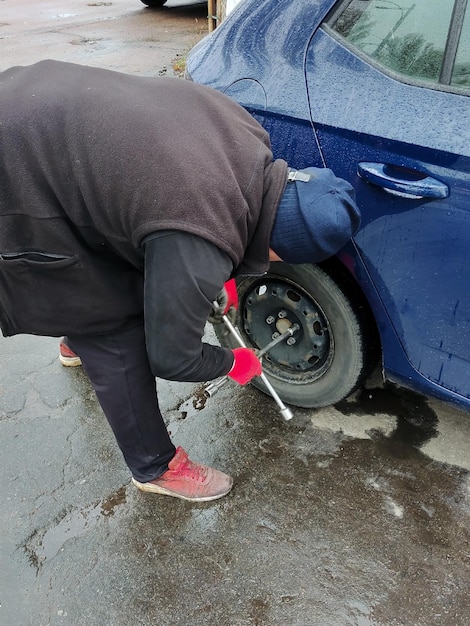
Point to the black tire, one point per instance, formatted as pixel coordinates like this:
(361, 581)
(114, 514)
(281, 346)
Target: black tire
(153, 3)
(336, 344)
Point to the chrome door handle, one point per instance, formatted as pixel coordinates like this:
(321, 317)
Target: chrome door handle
(379, 174)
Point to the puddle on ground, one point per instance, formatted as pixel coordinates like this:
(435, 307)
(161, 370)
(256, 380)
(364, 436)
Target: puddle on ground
(114, 500)
(416, 421)
(69, 526)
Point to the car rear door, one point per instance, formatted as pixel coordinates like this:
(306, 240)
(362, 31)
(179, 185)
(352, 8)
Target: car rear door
(389, 86)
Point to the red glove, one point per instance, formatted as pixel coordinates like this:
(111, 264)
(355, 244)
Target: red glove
(227, 302)
(246, 366)
(230, 288)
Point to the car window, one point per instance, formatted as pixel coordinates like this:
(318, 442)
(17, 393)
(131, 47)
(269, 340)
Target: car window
(461, 72)
(417, 39)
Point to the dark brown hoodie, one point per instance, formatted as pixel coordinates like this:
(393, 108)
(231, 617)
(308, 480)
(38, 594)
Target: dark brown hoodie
(91, 162)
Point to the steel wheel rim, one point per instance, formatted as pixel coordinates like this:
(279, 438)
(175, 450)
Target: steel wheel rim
(271, 305)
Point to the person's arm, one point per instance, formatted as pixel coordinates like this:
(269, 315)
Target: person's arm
(183, 276)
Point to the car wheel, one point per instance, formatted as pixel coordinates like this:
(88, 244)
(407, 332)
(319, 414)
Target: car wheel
(154, 3)
(334, 347)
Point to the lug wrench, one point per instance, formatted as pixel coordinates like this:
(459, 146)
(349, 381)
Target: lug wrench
(211, 389)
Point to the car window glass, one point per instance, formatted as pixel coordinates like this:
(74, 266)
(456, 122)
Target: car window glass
(407, 36)
(461, 72)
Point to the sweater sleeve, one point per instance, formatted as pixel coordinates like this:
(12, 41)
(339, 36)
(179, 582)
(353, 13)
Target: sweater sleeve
(183, 275)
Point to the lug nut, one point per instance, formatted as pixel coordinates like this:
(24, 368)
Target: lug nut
(290, 341)
(282, 314)
(270, 319)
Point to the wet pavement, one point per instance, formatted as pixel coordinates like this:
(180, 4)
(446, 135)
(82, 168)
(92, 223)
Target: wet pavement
(352, 515)
(122, 35)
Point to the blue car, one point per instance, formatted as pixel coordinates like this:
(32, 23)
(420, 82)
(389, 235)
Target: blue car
(378, 91)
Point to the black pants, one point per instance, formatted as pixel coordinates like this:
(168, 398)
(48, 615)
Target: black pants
(118, 368)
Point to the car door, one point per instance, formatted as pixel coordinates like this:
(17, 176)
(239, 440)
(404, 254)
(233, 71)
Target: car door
(389, 86)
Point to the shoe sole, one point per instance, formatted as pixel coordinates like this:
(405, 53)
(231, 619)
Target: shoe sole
(70, 361)
(151, 488)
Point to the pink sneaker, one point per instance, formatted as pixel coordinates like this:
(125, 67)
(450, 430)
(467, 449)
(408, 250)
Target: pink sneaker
(188, 480)
(66, 356)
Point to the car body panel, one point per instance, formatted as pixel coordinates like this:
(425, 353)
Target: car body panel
(405, 147)
(416, 249)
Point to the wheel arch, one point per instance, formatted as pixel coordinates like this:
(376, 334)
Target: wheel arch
(340, 273)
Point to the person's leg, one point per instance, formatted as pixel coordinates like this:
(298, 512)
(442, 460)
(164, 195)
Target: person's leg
(119, 372)
(118, 368)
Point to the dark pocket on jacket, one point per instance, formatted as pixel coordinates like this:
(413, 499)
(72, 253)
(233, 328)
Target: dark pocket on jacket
(30, 289)
(38, 257)
(53, 294)
(48, 294)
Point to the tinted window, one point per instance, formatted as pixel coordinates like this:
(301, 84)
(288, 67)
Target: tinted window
(461, 73)
(410, 38)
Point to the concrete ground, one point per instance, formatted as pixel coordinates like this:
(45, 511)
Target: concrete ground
(353, 515)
